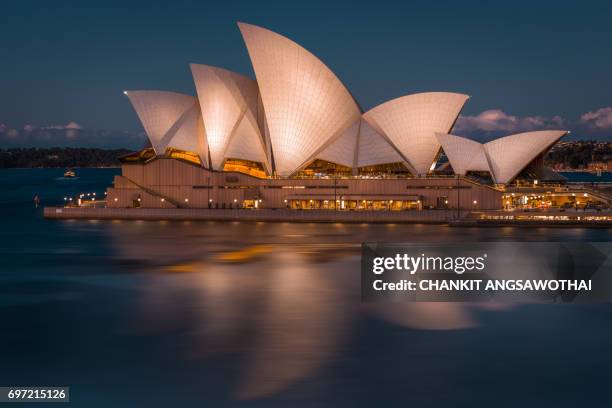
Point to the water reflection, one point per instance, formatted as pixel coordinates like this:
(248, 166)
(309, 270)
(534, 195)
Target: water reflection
(197, 314)
(283, 297)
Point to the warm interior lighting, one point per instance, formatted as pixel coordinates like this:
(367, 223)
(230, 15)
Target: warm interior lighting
(190, 157)
(251, 168)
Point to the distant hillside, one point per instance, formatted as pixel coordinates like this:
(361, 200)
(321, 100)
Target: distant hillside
(60, 157)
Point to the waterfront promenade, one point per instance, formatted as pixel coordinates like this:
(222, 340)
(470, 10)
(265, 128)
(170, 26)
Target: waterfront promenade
(467, 218)
(282, 215)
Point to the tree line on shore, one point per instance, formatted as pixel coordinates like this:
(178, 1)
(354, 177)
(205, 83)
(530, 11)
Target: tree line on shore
(576, 155)
(60, 157)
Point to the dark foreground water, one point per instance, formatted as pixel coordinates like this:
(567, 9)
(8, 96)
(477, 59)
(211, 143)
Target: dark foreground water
(143, 314)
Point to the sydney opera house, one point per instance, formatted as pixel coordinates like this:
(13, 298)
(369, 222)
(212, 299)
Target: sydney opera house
(295, 138)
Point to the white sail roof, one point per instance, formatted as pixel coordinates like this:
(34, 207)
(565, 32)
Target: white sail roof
(360, 145)
(375, 149)
(305, 104)
(343, 149)
(511, 154)
(411, 123)
(464, 154)
(227, 99)
(246, 144)
(158, 112)
(189, 134)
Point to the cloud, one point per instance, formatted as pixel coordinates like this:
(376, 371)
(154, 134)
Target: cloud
(71, 134)
(73, 125)
(496, 120)
(72, 130)
(70, 125)
(12, 133)
(600, 119)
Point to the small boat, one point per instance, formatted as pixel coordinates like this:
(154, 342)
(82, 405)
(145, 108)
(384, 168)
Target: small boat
(69, 173)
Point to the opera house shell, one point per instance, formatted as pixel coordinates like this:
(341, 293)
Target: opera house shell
(296, 113)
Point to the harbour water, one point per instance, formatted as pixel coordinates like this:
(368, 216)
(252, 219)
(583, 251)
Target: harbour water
(135, 313)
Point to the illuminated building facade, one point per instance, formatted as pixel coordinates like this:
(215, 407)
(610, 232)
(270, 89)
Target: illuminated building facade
(294, 137)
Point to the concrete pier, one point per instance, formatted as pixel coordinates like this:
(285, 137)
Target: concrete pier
(469, 219)
(278, 215)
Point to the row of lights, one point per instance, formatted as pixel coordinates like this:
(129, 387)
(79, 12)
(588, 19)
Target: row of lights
(259, 200)
(83, 196)
(163, 199)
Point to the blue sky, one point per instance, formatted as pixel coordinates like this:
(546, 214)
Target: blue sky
(526, 64)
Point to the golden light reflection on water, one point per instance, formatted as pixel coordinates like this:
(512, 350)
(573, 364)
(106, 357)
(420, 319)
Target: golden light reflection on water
(285, 299)
(300, 323)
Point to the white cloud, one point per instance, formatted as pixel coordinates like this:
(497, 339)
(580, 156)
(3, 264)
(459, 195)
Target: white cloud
(496, 120)
(70, 125)
(72, 130)
(12, 133)
(601, 118)
(73, 125)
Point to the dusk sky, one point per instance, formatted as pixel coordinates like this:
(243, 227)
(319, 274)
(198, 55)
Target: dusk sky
(526, 64)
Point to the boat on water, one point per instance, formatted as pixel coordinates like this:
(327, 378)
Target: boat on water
(69, 173)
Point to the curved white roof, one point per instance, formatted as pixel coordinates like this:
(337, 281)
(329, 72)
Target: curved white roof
(158, 112)
(509, 155)
(305, 104)
(343, 149)
(375, 149)
(228, 101)
(411, 123)
(246, 144)
(189, 134)
(464, 154)
(360, 145)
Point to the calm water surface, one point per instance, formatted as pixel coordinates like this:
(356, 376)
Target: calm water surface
(133, 313)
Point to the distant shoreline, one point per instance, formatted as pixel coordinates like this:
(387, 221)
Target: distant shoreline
(60, 157)
(61, 167)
